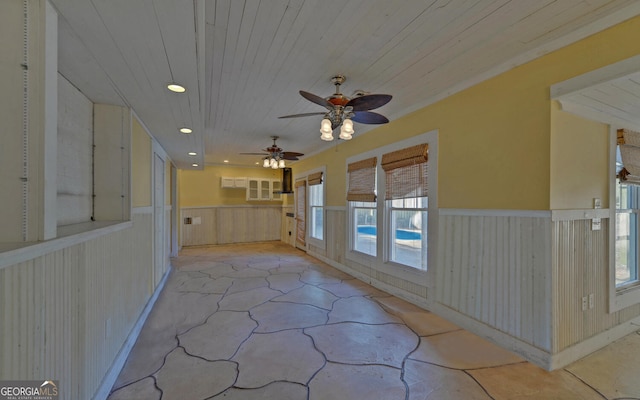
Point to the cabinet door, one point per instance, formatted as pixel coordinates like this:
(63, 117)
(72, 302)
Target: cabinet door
(226, 182)
(276, 188)
(252, 189)
(240, 182)
(265, 189)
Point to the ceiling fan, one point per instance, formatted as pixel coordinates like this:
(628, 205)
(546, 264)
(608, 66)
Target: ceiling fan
(275, 157)
(343, 110)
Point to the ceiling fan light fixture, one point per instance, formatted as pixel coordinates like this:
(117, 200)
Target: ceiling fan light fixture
(342, 108)
(266, 163)
(281, 163)
(274, 163)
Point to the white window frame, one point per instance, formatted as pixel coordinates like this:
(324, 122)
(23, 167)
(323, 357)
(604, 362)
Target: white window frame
(320, 243)
(629, 294)
(389, 237)
(381, 261)
(357, 255)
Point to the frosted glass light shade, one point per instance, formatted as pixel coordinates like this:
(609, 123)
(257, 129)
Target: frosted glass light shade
(325, 130)
(346, 130)
(347, 126)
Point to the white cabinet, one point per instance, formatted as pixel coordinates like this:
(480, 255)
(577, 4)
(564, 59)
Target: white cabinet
(276, 190)
(230, 183)
(261, 189)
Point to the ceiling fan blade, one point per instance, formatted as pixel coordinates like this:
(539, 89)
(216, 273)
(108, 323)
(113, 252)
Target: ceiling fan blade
(290, 158)
(317, 99)
(303, 115)
(255, 154)
(369, 117)
(369, 101)
(287, 154)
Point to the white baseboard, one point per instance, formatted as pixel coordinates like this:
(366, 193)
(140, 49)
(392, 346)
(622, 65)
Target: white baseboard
(110, 377)
(535, 355)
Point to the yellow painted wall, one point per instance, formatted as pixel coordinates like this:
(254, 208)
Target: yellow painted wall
(579, 161)
(140, 166)
(494, 138)
(202, 188)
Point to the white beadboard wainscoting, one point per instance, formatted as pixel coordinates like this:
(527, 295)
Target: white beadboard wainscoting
(231, 224)
(581, 267)
(516, 277)
(68, 311)
(494, 269)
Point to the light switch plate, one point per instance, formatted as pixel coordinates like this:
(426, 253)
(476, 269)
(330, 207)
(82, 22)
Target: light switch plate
(597, 203)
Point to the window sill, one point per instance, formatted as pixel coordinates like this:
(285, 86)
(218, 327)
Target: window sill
(360, 258)
(411, 274)
(14, 253)
(415, 275)
(625, 297)
(321, 244)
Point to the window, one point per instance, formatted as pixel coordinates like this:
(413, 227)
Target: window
(624, 198)
(406, 205)
(361, 195)
(626, 234)
(396, 234)
(365, 223)
(316, 206)
(627, 197)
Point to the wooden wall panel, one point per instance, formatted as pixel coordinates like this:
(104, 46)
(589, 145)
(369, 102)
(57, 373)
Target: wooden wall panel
(581, 267)
(54, 309)
(517, 273)
(221, 225)
(496, 269)
(243, 224)
(199, 234)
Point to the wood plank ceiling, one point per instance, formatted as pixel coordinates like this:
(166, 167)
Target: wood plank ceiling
(244, 61)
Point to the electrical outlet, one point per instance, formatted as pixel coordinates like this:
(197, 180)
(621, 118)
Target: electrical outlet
(592, 301)
(584, 303)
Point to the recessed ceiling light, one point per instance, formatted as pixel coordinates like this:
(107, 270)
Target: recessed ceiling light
(185, 130)
(193, 153)
(194, 165)
(174, 87)
(226, 161)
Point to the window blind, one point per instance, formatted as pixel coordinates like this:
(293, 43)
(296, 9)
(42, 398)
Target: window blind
(406, 172)
(362, 180)
(301, 209)
(629, 142)
(314, 179)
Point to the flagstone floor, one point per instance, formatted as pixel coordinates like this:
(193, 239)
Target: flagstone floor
(266, 321)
